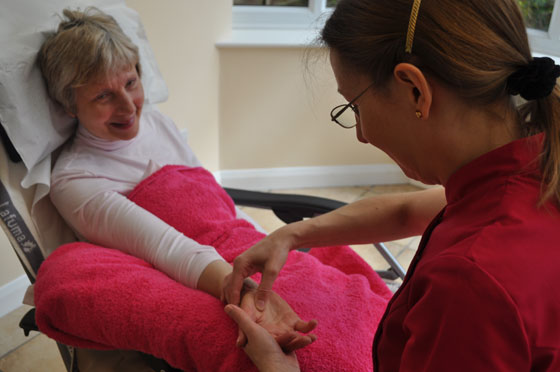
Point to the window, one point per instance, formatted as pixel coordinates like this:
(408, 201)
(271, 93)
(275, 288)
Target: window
(541, 16)
(330, 3)
(280, 14)
(272, 2)
(543, 23)
(537, 13)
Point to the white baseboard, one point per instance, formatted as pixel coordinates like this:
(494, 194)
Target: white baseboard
(262, 179)
(11, 294)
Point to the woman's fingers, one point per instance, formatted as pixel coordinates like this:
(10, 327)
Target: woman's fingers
(299, 343)
(305, 327)
(292, 341)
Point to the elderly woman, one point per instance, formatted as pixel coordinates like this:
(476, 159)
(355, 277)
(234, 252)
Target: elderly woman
(432, 84)
(127, 181)
(92, 69)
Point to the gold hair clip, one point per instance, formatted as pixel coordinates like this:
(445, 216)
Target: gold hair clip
(412, 25)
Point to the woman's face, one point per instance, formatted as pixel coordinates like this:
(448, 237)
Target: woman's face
(110, 108)
(384, 119)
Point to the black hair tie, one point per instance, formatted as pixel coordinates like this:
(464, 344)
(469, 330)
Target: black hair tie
(534, 81)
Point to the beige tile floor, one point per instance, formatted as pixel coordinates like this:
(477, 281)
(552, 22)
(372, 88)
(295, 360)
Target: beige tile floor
(37, 353)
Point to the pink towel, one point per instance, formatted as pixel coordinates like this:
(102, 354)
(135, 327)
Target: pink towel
(94, 297)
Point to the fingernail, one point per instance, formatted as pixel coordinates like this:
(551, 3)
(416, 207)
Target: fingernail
(260, 304)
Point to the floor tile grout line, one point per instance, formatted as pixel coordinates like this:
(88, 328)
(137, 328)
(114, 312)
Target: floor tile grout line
(400, 252)
(28, 340)
(364, 193)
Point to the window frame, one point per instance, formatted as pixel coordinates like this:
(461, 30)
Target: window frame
(279, 17)
(250, 18)
(547, 42)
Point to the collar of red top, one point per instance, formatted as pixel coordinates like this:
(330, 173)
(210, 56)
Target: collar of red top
(515, 158)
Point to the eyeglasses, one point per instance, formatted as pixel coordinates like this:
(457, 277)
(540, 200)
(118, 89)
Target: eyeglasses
(347, 119)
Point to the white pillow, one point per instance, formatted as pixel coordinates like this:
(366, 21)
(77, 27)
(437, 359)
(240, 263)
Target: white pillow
(35, 125)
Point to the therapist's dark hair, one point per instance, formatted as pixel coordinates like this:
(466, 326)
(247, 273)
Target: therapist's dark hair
(472, 46)
(87, 45)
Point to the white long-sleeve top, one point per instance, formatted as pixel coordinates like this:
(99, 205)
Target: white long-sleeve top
(92, 178)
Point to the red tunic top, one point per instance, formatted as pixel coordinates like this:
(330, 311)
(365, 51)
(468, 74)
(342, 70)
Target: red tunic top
(483, 292)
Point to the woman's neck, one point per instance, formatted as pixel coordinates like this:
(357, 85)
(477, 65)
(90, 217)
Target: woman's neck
(92, 140)
(474, 132)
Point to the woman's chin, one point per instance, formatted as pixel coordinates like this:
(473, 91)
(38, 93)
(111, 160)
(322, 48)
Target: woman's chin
(124, 131)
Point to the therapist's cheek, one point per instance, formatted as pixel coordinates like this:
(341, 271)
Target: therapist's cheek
(359, 133)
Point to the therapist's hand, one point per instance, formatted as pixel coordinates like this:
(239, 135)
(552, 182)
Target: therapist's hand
(261, 347)
(280, 320)
(268, 257)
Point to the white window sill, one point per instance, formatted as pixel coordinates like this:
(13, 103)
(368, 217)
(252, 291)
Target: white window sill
(299, 38)
(555, 58)
(269, 38)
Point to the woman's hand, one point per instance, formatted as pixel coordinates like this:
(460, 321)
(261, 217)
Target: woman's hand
(268, 257)
(279, 319)
(261, 347)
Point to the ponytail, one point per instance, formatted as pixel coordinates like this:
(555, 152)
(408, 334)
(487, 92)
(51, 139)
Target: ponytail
(537, 83)
(543, 115)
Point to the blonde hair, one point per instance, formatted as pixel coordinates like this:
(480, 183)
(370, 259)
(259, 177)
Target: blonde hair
(87, 45)
(473, 46)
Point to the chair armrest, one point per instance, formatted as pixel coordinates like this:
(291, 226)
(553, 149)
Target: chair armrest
(292, 207)
(288, 207)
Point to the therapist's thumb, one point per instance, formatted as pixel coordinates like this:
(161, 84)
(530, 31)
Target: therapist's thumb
(243, 320)
(269, 275)
(261, 298)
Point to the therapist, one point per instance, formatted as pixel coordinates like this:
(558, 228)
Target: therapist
(434, 85)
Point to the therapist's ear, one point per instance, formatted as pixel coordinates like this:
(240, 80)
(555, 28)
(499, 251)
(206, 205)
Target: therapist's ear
(417, 88)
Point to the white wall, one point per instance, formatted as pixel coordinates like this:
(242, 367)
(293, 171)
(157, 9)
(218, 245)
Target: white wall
(245, 107)
(182, 34)
(275, 106)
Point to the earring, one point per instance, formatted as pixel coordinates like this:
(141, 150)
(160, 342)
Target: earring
(418, 114)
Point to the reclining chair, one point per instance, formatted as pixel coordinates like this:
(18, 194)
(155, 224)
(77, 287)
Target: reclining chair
(34, 228)
(25, 240)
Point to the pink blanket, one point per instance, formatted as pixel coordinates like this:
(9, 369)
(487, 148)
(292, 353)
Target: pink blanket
(94, 297)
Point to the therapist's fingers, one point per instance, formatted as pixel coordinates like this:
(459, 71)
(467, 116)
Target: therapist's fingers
(261, 298)
(240, 317)
(233, 283)
(250, 329)
(261, 347)
(231, 292)
(241, 338)
(269, 275)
